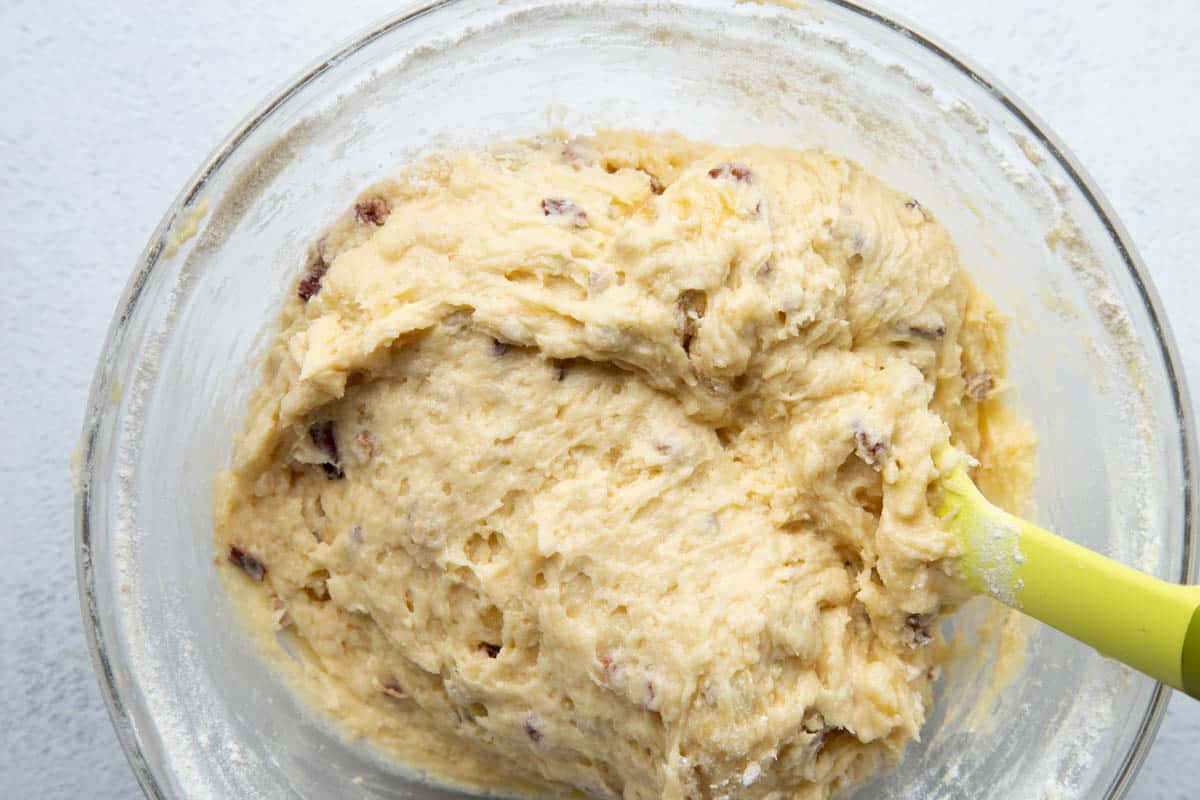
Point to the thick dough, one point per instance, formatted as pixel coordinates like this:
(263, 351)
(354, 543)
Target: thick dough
(604, 464)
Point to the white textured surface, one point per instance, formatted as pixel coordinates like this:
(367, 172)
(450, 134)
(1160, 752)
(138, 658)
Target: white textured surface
(107, 109)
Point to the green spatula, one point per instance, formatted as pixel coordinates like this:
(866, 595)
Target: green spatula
(1146, 623)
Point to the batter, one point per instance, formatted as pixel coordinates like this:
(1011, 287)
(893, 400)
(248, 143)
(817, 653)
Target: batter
(602, 465)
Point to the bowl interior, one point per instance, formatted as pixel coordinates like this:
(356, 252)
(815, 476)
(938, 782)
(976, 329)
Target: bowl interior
(193, 696)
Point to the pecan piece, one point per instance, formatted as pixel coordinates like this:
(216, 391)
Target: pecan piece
(926, 329)
(247, 563)
(373, 210)
(920, 626)
(733, 170)
(871, 447)
(323, 436)
(564, 208)
(310, 284)
(656, 186)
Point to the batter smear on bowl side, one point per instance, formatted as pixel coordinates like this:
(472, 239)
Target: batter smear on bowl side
(604, 464)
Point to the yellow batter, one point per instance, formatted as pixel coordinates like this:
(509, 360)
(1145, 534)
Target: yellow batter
(603, 465)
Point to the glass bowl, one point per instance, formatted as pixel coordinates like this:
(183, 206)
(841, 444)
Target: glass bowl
(197, 710)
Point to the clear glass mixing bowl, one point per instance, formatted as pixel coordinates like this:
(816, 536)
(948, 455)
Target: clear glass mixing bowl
(195, 708)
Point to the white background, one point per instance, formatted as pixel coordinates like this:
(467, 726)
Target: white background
(106, 109)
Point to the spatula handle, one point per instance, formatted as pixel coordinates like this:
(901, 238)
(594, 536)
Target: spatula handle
(1191, 657)
(1149, 624)
(1139, 620)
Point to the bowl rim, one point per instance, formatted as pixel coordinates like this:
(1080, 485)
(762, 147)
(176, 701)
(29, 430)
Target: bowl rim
(132, 736)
